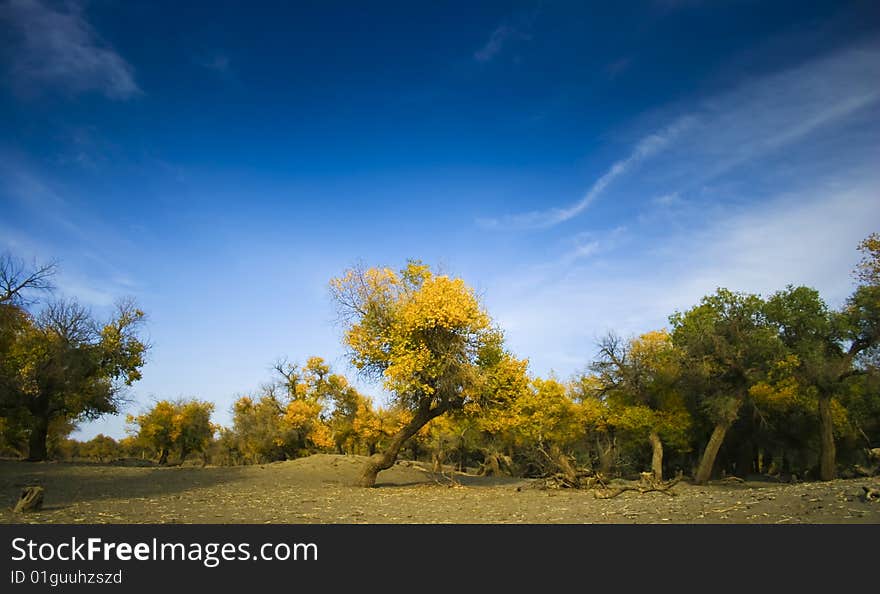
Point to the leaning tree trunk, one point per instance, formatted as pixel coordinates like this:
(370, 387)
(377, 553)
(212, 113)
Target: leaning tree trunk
(563, 464)
(385, 460)
(704, 470)
(828, 454)
(37, 440)
(163, 457)
(656, 455)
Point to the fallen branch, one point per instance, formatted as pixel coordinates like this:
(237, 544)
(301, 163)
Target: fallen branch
(871, 494)
(643, 487)
(729, 479)
(581, 479)
(864, 471)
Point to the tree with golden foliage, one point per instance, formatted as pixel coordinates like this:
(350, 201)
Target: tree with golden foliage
(183, 426)
(292, 417)
(422, 334)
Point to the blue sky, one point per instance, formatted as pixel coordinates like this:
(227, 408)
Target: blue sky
(586, 167)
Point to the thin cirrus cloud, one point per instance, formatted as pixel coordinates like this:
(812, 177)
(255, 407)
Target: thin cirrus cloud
(59, 49)
(645, 148)
(499, 38)
(516, 28)
(761, 116)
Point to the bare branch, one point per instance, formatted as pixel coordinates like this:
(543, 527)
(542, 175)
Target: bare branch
(16, 279)
(69, 320)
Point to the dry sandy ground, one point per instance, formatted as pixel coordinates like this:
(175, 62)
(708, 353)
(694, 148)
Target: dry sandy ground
(319, 489)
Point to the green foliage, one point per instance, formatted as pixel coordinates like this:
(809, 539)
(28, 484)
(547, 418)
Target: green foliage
(727, 345)
(60, 364)
(100, 448)
(258, 433)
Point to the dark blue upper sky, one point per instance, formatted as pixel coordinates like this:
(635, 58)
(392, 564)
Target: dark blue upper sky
(587, 166)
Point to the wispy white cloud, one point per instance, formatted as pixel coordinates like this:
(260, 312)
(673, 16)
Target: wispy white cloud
(760, 117)
(517, 27)
(646, 147)
(767, 114)
(58, 48)
(588, 244)
(499, 38)
(667, 200)
(803, 236)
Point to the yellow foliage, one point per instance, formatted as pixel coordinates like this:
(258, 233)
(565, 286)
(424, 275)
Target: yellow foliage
(541, 414)
(419, 330)
(367, 424)
(780, 391)
(301, 414)
(322, 437)
(183, 424)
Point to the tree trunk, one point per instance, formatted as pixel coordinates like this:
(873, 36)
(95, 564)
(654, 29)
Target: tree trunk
(745, 460)
(606, 456)
(437, 461)
(563, 464)
(656, 456)
(37, 439)
(704, 471)
(491, 466)
(163, 457)
(385, 460)
(828, 455)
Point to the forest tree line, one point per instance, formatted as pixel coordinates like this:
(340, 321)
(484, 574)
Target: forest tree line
(739, 384)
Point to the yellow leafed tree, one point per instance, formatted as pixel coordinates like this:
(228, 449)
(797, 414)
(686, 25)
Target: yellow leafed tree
(421, 334)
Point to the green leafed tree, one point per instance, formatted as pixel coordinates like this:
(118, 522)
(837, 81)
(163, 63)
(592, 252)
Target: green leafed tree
(727, 345)
(822, 361)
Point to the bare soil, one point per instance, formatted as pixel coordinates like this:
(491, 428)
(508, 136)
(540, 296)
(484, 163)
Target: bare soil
(320, 489)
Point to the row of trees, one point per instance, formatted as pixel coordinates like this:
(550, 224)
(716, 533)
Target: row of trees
(751, 375)
(738, 383)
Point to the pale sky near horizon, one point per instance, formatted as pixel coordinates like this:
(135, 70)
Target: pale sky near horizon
(585, 166)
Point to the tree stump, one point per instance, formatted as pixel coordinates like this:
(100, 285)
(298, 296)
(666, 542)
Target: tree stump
(31, 500)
